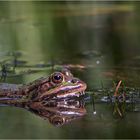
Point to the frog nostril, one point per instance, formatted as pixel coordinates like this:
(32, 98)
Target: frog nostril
(74, 80)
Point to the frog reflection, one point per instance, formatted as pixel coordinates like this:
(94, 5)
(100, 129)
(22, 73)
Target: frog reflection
(60, 112)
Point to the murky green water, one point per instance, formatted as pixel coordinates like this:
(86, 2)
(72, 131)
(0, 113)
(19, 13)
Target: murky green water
(102, 37)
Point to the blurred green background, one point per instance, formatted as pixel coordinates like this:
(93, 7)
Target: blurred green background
(102, 36)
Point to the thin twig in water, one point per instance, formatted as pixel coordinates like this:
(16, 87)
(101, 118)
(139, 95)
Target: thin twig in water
(116, 95)
(117, 88)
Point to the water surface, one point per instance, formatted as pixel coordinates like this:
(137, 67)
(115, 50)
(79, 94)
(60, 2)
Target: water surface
(101, 42)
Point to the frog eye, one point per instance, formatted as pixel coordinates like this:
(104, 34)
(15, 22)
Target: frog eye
(57, 77)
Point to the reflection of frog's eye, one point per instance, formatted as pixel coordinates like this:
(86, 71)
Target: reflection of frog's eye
(57, 77)
(57, 120)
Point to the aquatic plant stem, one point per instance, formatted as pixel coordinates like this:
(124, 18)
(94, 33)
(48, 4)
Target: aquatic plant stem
(117, 88)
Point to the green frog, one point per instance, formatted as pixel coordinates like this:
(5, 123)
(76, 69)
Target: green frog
(60, 87)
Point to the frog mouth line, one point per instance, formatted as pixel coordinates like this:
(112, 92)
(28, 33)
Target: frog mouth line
(70, 94)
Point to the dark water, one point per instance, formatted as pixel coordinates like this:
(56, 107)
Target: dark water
(102, 37)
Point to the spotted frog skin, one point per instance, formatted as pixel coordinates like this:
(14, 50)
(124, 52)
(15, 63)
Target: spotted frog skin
(58, 87)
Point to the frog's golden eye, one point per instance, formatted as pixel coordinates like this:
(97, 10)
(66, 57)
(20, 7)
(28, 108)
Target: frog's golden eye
(57, 77)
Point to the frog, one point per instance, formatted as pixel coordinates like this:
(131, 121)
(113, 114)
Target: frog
(58, 87)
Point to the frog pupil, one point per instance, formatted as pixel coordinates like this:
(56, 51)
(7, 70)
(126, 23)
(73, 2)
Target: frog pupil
(57, 77)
